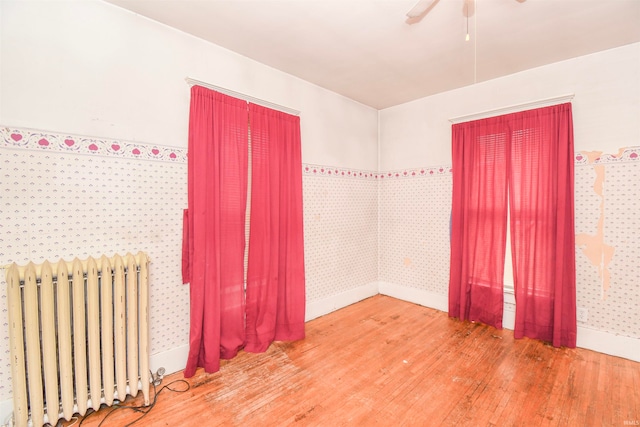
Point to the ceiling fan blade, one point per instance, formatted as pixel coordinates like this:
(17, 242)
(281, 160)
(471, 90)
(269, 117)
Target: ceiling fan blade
(421, 8)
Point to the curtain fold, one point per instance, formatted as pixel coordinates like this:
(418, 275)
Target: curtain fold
(542, 224)
(478, 221)
(217, 164)
(275, 278)
(528, 154)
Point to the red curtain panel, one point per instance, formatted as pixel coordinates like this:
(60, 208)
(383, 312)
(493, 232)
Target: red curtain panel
(222, 322)
(478, 221)
(528, 154)
(541, 199)
(218, 155)
(275, 276)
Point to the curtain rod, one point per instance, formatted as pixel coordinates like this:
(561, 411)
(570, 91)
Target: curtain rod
(514, 108)
(194, 82)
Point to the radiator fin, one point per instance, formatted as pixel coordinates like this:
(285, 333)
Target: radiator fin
(79, 335)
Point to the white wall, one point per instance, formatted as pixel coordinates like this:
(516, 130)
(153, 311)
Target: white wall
(605, 108)
(414, 209)
(91, 68)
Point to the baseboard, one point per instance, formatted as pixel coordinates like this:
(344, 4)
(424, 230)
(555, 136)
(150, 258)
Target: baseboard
(588, 338)
(6, 411)
(509, 312)
(173, 360)
(335, 302)
(607, 343)
(414, 295)
(591, 339)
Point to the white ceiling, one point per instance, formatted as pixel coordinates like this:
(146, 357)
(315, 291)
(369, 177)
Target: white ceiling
(366, 51)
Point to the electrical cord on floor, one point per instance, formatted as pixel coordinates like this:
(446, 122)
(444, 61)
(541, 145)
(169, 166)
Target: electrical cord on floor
(143, 409)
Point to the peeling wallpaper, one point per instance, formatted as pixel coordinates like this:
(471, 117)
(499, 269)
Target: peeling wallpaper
(593, 246)
(414, 212)
(64, 196)
(607, 205)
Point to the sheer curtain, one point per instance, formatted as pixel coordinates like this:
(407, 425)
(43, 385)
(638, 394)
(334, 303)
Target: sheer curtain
(213, 250)
(478, 221)
(275, 276)
(542, 224)
(529, 153)
(214, 229)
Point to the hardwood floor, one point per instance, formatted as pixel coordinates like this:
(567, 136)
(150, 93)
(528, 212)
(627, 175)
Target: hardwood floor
(387, 362)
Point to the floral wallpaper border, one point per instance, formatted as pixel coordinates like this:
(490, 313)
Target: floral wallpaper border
(626, 154)
(68, 143)
(320, 170)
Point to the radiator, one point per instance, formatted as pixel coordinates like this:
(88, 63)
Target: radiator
(78, 335)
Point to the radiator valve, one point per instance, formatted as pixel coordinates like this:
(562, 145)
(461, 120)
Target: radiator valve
(156, 378)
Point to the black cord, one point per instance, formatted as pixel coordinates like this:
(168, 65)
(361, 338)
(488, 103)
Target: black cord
(143, 409)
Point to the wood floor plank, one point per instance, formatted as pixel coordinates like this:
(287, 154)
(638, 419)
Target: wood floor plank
(385, 362)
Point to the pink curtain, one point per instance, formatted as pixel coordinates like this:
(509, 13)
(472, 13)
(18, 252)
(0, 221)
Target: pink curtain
(531, 154)
(478, 221)
(214, 227)
(275, 277)
(542, 224)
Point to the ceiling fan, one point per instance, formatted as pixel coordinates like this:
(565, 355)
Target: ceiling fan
(423, 7)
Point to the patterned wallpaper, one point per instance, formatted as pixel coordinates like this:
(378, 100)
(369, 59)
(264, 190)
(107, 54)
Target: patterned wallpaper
(607, 204)
(64, 196)
(414, 231)
(340, 227)
(414, 235)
